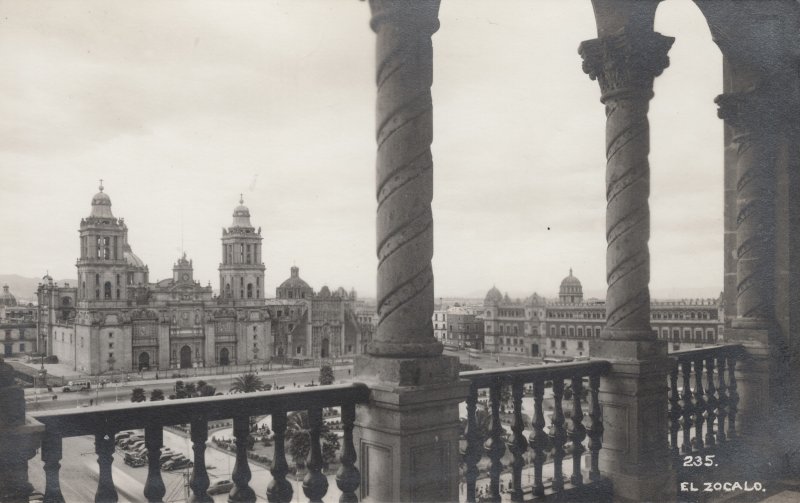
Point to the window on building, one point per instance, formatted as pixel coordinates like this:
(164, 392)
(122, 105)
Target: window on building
(563, 331)
(107, 290)
(249, 290)
(110, 345)
(21, 347)
(249, 256)
(96, 280)
(580, 344)
(563, 344)
(299, 349)
(571, 331)
(552, 343)
(580, 332)
(552, 330)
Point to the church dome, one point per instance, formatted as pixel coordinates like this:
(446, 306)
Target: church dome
(493, 296)
(101, 204)
(571, 289)
(294, 280)
(131, 258)
(7, 298)
(241, 215)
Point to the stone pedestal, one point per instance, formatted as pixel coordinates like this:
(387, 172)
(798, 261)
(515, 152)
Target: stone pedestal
(633, 397)
(407, 437)
(19, 439)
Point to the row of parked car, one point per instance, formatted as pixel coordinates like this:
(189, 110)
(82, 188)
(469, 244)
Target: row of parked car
(136, 453)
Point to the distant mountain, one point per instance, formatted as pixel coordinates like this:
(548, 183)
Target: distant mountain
(25, 288)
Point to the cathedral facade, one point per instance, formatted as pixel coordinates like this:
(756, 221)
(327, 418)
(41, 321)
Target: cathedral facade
(115, 319)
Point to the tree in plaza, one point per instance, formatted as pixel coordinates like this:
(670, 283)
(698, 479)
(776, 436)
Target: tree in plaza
(180, 390)
(330, 447)
(156, 395)
(298, 436)
(247, 383)
(326, 375)
(137, 395)
(191, 390)
(205, 389)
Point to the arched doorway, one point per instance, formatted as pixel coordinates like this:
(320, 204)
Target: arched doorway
(325, 351)
(144, 360)
(224, 357)
(186, 357)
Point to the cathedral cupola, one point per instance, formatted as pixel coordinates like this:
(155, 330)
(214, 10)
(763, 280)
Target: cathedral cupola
(101, 204)
(241, 215)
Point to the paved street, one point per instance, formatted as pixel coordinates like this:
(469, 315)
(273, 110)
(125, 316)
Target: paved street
(122, 392)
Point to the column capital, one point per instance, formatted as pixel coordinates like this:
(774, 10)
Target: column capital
(626, 64)
(757, 110)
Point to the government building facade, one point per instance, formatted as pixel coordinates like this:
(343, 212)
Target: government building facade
(565, 327)
(116, 319)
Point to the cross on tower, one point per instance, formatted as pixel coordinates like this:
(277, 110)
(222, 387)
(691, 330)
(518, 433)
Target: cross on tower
(101, 185)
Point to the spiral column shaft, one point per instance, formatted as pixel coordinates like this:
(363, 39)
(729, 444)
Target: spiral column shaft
(404, 177)
(625, 66)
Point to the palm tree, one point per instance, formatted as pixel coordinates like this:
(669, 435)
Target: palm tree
(137, 395)
(299, 439)
(247, 383)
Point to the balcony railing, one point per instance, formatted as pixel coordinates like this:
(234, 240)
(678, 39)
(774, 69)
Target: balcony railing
(703, 399)
(105, 422)
(565, 437)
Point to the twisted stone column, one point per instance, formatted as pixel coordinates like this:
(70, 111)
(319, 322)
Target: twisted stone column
(404, 177)
(754, 117)
(635, 454)
(625, 66)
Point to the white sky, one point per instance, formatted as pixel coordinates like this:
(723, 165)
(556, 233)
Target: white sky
(181, 105)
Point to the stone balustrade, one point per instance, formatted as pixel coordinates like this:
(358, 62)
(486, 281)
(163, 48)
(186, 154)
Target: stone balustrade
(567, 436)
(104, 422)
(703, 399)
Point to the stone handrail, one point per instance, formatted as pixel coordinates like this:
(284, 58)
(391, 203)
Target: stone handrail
(105, 421)
(540, 442)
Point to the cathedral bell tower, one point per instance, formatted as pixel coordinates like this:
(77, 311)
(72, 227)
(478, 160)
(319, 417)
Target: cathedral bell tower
(102, 266)
(241, 272)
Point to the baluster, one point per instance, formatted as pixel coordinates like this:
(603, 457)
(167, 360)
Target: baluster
(596, 428)
(577, 432)
(539, 440)
(559, 435)
(675, 412)
(348, 477)
(473, 452)
(241, 491)
(154, 489)
(722, 403)
(520, 445)
(279, 489)
(711, 402)
(733, 397)
(104, 447)
(199, 480)
(495, 445)
(315, 484)
(51, 457)
(699, 404)
(686, 406)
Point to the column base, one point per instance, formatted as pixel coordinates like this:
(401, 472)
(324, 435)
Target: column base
(405, 349)
(403, 372)
(407, 442)
(633, 396)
